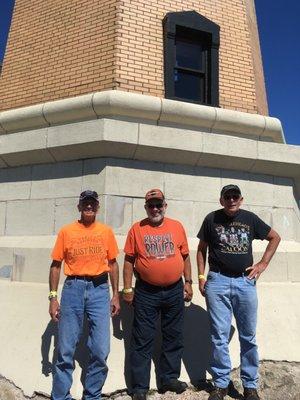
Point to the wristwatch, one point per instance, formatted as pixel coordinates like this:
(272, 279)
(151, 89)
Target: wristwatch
(188, 281)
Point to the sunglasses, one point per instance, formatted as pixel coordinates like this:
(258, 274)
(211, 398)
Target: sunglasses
(231, 196)
(155, 205)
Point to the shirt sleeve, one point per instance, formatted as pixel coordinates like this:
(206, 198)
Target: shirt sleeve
(203, 233)
(58, 251)
(129, 248)
(261, 229)
(112, 248)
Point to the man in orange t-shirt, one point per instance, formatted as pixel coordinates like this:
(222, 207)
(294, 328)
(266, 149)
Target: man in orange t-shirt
(157, 251)
(89, 250)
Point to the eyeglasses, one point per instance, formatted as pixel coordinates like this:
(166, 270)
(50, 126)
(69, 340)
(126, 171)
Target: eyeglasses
(231, 196)
(155, 205)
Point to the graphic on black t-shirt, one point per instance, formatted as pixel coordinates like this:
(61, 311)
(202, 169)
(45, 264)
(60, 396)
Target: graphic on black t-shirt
(234, 238)
(159, 246)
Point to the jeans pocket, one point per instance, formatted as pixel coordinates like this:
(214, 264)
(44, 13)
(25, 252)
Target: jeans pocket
(251, 282)
(68, 283)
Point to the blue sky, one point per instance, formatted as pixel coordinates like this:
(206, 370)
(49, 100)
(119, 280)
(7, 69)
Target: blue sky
(279, 29)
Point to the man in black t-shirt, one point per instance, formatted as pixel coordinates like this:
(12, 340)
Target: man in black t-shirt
(230, 288)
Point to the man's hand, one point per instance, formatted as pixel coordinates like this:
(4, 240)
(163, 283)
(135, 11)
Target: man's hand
(188, 292)
(128, 297)
(256, 270)
(202, 283)
(115, 305)
(54, 309)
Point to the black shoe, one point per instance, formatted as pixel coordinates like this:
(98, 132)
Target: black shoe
(218, 394)
(251, 394)
(139, 396)
(174, 385)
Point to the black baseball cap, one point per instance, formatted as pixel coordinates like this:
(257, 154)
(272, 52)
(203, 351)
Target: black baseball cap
(88, 194)
(233, 188)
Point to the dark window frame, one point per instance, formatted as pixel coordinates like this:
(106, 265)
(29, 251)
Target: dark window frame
(174, 24)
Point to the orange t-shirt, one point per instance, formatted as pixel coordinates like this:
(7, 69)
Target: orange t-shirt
(158, 250)
(85, 250)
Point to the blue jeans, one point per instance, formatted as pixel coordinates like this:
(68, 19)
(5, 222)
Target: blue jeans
(227, 296)
(149, 302)
(79, 298)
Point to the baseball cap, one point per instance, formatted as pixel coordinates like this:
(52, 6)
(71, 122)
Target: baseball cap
(88, 194)
(227, 188)
(154, 194)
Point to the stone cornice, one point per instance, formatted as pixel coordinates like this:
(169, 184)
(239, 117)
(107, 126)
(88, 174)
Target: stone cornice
(137, 107)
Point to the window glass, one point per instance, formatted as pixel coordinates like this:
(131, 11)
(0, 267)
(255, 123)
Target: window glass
(189, 54)
(188, 85)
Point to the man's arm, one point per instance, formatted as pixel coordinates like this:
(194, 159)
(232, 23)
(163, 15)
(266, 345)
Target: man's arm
(54, 274)
(127, 278)
(201, 260)
(258, 268)
(187, 272)
(114, 280)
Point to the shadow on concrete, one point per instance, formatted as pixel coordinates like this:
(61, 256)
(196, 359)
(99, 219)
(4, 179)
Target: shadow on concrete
(197, 348)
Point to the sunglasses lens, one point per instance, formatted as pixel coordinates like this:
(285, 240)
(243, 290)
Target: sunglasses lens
(233, 196)
(155, 205)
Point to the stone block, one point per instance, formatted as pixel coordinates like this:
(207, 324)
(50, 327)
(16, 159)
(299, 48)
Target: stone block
(277, 270)
(2, 130)
(15, 183)
(23, 118)
(273, 129)
(223, 151)
(138, 210)
(169, 145)
(259, 190)
(94, 174)
(71, 109)
(2, 217)
(285, 223)
(56, 180)
(187, 114)
(125, 104)
(94, 138)
(30, 217)
(31, 265)
(65, 212)
(195, 184)
(272, 157)
(182, 211)
(239, 122)
(293, 266)
(283, 192)
(118, 213)
(132, 178)
(27, 147)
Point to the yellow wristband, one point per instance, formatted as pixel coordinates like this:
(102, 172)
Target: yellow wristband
(126, 291)
(52, 294)
(200, 277)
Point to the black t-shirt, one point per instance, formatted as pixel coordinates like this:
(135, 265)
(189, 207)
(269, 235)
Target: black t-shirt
(230, 239)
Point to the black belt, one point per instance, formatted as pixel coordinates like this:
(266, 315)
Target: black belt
(230, 274)
(98, 279)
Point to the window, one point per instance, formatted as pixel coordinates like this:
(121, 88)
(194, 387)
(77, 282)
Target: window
(191, 44)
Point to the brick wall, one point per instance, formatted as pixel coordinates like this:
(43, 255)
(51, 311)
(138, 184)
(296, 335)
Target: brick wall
(59, 49)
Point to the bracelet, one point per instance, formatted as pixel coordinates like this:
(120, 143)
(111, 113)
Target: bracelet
(200, 277)
(127, 291)
(52, 294)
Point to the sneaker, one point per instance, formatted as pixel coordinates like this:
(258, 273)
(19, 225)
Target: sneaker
(174, 385)
(139, 396)
(251, 394)
(218, 394)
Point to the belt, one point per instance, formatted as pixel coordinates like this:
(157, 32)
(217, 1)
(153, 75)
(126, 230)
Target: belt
(230, 274)
(99, 279)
